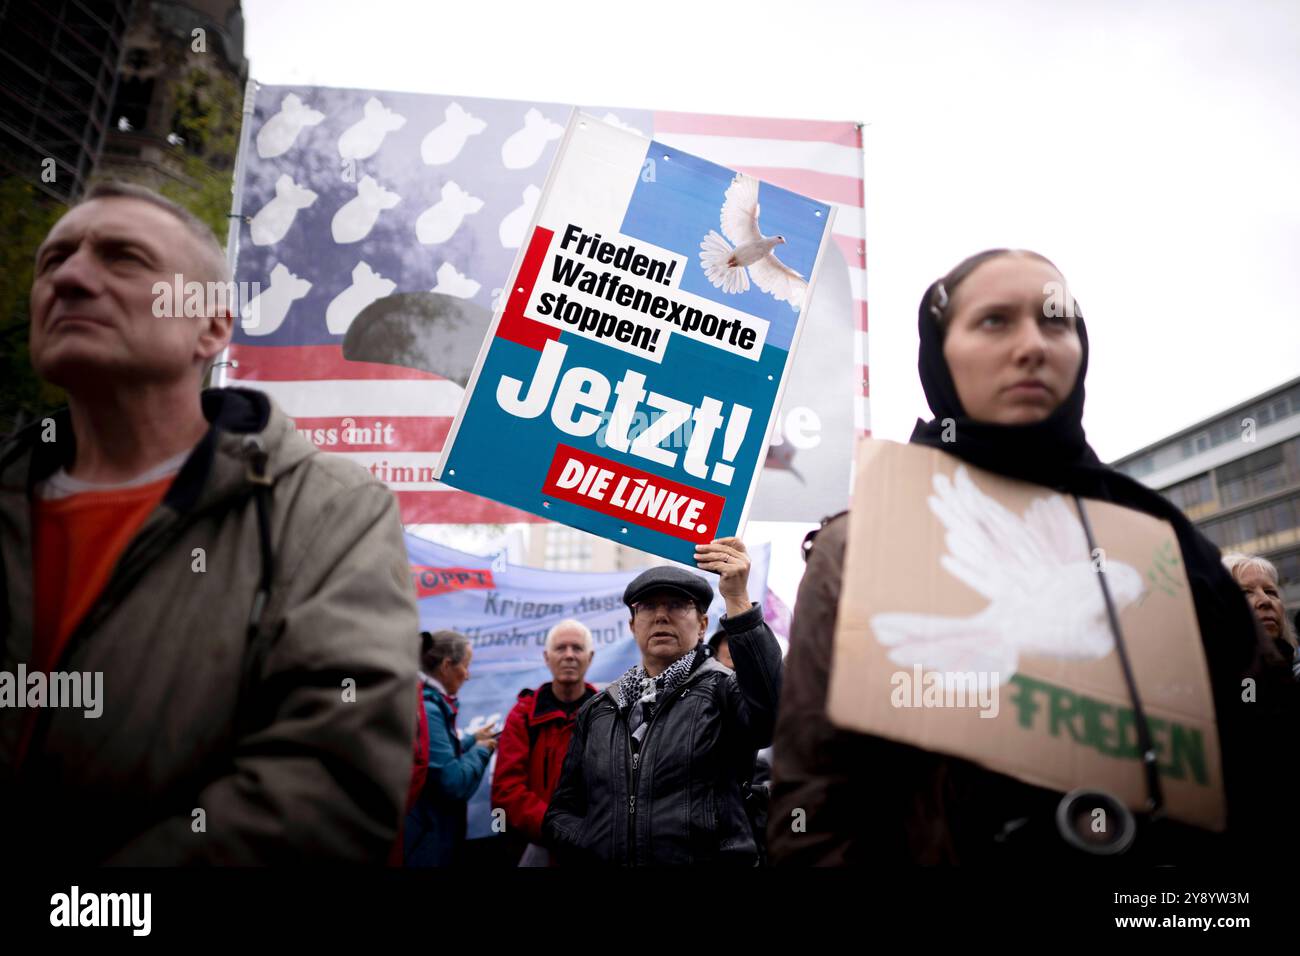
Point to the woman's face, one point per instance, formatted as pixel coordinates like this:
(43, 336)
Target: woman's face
(1264, 598)
(453, 676)
(1012, 350)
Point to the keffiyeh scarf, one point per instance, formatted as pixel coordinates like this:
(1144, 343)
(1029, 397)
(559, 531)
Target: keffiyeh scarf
(642, 691)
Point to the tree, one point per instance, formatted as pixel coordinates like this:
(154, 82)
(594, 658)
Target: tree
(208, 112)
(26, 215)
(207, 118)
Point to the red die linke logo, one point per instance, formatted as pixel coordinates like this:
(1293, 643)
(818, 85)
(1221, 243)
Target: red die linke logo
(430, 582)
(632, 495)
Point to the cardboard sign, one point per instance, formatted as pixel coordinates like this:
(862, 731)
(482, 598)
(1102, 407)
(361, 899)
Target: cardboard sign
(972, 622)
(629, 383)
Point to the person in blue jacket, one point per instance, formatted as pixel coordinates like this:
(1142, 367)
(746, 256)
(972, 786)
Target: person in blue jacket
(435, 825)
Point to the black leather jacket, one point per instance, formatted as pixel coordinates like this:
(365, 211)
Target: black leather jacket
(679, 800)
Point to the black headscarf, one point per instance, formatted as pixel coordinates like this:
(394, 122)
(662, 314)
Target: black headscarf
(1055, 453)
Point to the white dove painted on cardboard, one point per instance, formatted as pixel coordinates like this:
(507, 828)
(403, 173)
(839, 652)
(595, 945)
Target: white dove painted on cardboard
(749, 255)
(279, 133)
(266, 311)
(1038, 576)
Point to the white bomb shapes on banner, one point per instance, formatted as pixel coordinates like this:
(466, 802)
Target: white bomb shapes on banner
(282, 129)
(273, 220)
(451, 282)
(367, 286)
(445, 141)
(266, 311)
(358, 215)
(440, 221)
(362, 138)
(526, 145)
(515, 224)
(613, 120)
(753, 256)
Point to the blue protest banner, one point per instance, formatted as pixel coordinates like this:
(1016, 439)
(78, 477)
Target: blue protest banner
(506, 610)
(631, 379)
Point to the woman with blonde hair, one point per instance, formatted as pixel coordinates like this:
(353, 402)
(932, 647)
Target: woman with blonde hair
(1258, 578)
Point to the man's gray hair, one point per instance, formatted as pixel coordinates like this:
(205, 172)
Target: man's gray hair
(214, 257)
(569, 624)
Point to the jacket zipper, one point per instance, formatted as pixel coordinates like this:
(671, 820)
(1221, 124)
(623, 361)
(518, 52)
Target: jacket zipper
(636, 763)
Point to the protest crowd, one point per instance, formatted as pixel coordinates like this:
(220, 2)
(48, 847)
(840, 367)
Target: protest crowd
(230, 581)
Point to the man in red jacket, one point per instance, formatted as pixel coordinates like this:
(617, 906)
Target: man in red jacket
(532, 746)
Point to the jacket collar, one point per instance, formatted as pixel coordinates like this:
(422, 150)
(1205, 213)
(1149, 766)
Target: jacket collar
(219, 466)
(708, 665)
(544, 705)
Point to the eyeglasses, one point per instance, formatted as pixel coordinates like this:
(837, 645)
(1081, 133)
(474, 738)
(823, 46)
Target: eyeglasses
(674, 606)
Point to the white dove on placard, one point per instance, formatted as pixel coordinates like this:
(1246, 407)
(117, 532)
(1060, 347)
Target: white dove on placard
(367, 286)
(525, 146)
(445, 141)
(1037, 574)
(273, 220)
(452, 282)
(440, 221)
(515, 224)
(362, 138)
(265, 312)
(749, 256)
(278, 133)
(358, 215)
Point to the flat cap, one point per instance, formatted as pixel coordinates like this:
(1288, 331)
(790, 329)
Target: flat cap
(671, 578)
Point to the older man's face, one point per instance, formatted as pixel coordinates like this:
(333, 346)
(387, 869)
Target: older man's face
(92, 300)
(666, 625)
(568, 655)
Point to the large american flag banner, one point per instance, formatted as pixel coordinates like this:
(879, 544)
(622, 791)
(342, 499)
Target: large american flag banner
(378, 227)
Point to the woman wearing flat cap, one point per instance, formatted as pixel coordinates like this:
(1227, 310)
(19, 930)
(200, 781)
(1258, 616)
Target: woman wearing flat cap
(658, 759)
(1003, 371)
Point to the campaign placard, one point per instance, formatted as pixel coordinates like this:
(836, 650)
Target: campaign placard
(629, 382)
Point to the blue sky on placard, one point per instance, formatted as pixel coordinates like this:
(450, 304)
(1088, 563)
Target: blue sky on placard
(677, 208)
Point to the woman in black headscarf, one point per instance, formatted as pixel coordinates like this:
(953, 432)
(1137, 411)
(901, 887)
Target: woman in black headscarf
(1003, 357)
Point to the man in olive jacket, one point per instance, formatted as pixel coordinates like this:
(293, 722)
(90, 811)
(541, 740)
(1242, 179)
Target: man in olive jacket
(238, 605)
(659, 761)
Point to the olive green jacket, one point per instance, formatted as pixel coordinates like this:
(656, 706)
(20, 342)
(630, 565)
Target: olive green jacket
(219, 742)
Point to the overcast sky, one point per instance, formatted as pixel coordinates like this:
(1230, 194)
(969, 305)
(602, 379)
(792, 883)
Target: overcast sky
(1150, 148)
